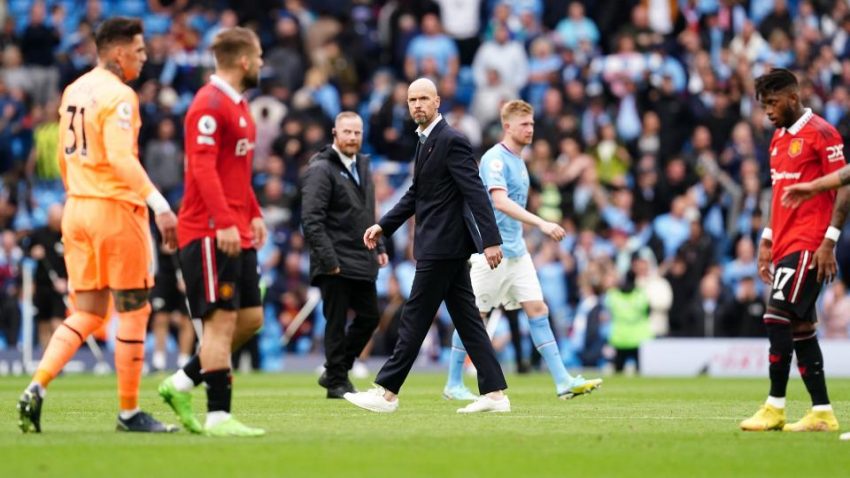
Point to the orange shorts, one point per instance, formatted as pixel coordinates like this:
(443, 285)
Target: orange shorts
(107, 245)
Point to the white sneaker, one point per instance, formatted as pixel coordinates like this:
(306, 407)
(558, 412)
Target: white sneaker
(372, 400)
(845, 436)
(487, 404)
(359, 370)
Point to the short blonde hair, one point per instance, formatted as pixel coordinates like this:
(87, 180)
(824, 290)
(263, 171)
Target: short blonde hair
(515, 108)
(346, 114)
(232, 43)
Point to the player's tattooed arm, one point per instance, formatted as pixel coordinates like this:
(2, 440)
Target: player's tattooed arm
(844, 175)
(824, 258)
(796, 194)
(842, 206)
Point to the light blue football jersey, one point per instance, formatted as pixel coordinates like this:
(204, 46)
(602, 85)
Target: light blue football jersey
(502, 169)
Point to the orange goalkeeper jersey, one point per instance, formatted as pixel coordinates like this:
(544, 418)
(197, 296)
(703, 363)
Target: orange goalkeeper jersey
(98, 140)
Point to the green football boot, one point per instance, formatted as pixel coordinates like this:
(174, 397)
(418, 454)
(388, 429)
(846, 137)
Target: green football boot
(233, 428)
(181, 403)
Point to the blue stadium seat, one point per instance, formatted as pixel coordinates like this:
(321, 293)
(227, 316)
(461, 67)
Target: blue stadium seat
(465, 85)
(156, 24)
(130, 8)
(19, 8)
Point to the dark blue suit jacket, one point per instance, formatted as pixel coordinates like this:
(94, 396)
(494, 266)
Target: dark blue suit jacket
(454, 217)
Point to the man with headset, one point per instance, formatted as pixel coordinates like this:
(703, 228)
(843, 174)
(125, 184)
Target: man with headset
(338, 205)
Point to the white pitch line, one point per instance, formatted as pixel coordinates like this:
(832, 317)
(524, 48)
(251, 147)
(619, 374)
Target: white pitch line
(345, 413)
(636, 417)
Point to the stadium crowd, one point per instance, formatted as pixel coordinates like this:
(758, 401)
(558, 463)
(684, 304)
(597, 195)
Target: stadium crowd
(649, 148)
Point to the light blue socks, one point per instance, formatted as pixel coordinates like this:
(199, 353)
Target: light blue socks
(544, 341)
(456, 359)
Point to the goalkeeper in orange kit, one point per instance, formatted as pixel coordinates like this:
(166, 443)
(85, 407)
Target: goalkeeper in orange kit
(105, 230)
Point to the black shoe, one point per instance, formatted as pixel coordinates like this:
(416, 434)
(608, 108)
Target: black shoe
(340, 391)
(323, 380)
(346, 387)
(143, 422)
(29, 411)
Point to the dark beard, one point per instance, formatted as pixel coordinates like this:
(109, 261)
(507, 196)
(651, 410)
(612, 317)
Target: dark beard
(251, 81)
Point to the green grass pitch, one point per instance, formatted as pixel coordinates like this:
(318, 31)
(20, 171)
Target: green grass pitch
(634, 427)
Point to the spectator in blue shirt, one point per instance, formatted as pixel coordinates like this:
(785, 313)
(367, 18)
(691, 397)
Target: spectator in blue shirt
(744, 265)
(673, 228)
(577, 27)
(431, 44)
(543, 66)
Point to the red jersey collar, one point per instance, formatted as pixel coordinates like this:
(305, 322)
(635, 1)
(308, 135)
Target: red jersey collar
(798, 125)
(226, 88)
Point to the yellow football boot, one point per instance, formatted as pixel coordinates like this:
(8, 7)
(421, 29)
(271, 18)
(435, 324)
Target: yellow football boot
(813, 421)
(767, 418)
(580, 386)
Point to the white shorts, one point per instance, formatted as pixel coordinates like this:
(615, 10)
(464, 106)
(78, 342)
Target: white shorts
(509, 285)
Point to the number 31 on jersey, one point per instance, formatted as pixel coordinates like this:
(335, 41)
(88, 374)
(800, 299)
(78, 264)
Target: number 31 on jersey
(76, 138)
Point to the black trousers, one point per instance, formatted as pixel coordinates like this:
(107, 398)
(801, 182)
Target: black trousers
(623, 355)
(516, 335)
(435, 282)
(467, 48)
(342, 347)
(10, 319)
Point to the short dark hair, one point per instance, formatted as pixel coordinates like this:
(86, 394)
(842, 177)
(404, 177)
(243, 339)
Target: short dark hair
(117, 30)
(778, 79)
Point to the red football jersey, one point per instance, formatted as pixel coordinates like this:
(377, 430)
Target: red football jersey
(219, 145)
(804, 152)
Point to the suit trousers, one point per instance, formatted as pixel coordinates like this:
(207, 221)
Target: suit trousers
(342, 346)
(437, 281)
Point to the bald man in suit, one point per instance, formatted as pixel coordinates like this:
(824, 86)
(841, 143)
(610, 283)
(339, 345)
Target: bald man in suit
(454, 219)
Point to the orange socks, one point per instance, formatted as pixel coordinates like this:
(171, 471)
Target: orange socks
(64, 344)
(130, 354)
(129, 350)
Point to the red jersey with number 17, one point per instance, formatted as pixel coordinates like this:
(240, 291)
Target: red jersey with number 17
(219, 145)
(807, 150)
